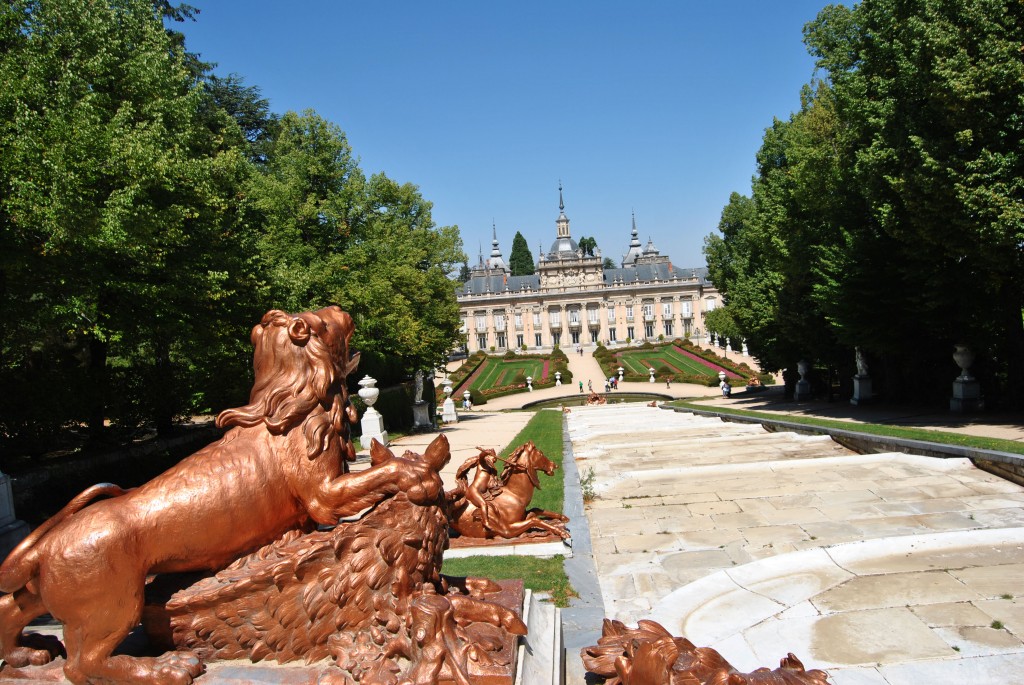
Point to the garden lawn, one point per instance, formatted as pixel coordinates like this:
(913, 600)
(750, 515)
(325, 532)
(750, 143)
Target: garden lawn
(639, 361)
(498, 372)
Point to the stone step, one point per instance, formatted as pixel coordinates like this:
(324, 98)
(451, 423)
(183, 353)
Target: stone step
(540, 650)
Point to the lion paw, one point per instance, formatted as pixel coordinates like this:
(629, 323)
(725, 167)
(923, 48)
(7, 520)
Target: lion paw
(19, 657)
(177, 668)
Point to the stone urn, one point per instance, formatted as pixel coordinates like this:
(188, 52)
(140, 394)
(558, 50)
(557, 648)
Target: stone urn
(529, 383)
(964, 358)
(620, 370)
(651, 379)
(372, 422)
(368, 392)
(558, 377)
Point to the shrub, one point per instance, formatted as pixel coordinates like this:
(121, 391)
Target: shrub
(510, 354)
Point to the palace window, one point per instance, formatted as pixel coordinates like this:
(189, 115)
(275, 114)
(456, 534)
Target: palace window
(709, 305)
(556, 339)
(611, 335)
(666, 310)
(555, 318)
(481, 341)
(519, 320)
(649, 330)
(537, 340)
(629, 312)
(499, 324)
(629, 333)
(668, 329)
(611, 314)
(593, 336)
(519, 340)
(501, 340)
(536, 322)
(648, 311)
(481, 322)
(574, 316)
(687, 309)
(575, 337)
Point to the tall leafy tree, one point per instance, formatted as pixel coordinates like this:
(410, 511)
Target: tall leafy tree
(116, 214)
(929, 96)
(520, 260)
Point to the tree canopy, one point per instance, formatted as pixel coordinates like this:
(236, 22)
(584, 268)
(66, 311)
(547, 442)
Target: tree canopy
(888, 212)
(520, 260)
(588, 245)
(151, 211)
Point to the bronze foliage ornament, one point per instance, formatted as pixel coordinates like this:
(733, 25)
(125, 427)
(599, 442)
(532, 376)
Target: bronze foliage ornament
(492, 505)
(366, 594)
(650, 655)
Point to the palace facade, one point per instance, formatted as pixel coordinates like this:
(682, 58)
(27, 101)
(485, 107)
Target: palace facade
(573, 300)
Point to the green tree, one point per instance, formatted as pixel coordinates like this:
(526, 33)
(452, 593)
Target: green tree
(588, 245)
(464, 273)
(369, 245)
(520, 260)
(929, 98)
(608, 263)
(117, 215)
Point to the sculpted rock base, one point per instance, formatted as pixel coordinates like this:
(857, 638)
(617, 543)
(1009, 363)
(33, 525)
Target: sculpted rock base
(650, 655)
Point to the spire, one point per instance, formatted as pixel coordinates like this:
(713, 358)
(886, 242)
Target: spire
(563, 221)
(635, 251)
(496, 261)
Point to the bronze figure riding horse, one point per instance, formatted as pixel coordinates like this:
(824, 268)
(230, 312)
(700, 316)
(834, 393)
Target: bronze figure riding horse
(495, 506)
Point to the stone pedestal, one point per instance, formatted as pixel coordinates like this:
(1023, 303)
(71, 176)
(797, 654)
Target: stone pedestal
(373, 427)
(448, 413)
(803, 386)
(803, 390)
(421, 419)
(966, 396)
(12, 531)
(861, 389)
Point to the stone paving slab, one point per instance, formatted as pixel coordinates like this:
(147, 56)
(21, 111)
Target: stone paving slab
(881, 567)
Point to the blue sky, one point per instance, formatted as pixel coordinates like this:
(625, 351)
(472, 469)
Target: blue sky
(652, 107)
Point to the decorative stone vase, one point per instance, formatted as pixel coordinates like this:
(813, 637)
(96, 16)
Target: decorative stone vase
(529, 383)
(372, 422)
(620, 369)
(558, 377)
(368, 392)
(803, 367)
(964, 358)
(651, 379)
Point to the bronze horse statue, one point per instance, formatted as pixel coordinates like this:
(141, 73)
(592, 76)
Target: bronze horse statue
(495, 505)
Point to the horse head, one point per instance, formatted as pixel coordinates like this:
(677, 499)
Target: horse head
(528, 459)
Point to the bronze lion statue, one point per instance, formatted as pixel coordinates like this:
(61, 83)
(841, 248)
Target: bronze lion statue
(281, 467)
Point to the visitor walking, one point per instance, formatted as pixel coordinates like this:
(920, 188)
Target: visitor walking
(590, 385)
(668, 381)
(581, 387)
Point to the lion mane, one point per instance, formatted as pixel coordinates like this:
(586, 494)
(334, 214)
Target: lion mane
(299, 380)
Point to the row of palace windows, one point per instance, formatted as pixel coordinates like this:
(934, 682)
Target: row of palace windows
(574, 337)
(555, 316)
